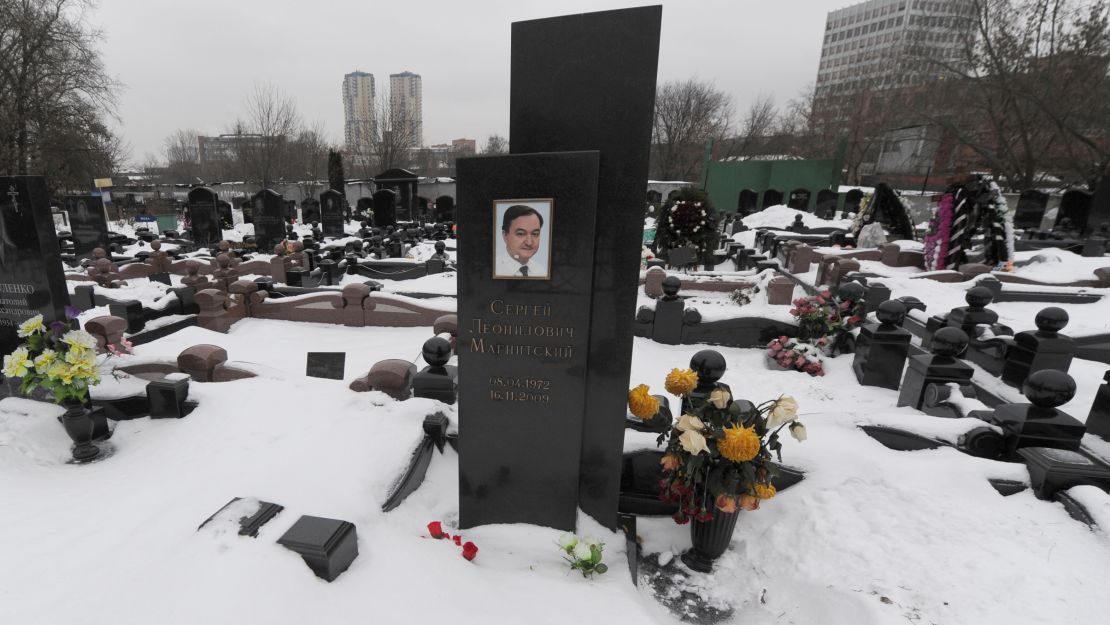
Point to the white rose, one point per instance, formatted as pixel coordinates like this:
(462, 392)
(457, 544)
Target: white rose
(784, 411)
(582, 551)
(693, 442)
(689, 423)
(567, 542)
(798, 431)
(720, 398)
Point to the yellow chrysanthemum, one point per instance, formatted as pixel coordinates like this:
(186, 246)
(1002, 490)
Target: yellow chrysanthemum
(641, 403)
(29, 327)
(45, 359)
(61, 371)
(681, 381)
(16, 363)
(764, 491)
(79, 339)
(740, 444)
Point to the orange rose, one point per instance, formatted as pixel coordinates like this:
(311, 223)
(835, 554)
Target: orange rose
(749, 502)
(726, 503)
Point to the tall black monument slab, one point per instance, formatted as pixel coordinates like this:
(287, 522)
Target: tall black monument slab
(204, 217)
(523, 340)
(31, 279)
(587, 82)
(269, 219)
(88, 223)
(332, 206)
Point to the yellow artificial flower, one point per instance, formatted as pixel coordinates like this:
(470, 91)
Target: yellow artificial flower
(61, 371)
(740, 444)
(681, 381)
(79, 338)
(720, 398)
(641, 402)
(29, 327)
(16, 363)
(764, 491)
(45, 359)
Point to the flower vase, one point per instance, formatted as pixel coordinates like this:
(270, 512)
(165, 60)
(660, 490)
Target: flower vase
(710, 539)
(79, 426)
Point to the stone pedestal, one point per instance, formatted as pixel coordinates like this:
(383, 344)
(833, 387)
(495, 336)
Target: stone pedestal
(1053, 470)
(1098, 420)
(1036, 351)
(437, 380)
(881, 349)
(667, 327)
(1041, 424)
(328, 546)
(975, 313)
(939, 367)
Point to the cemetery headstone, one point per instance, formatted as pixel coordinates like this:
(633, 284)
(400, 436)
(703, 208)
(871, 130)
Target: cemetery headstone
(772, 197)
(1075, 208)
(331, 213)
(328, 365)
(1041, 423)
(87, 222)
(445, 208)
(523, 354)
(1045, 348)
(1030, 209)
(826, 204)
(587, 82)
(268, 214)
(747, 203)
(881, 349)
(385, 208)
(204, 217)
(227, 218)
(31, 278)
(940, 367)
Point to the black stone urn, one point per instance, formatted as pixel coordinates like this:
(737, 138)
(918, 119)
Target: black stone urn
(78, 424)
(710, 539)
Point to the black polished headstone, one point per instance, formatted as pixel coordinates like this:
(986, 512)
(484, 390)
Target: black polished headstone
(332, 206)
(522, 344)
(587, 82)
(31, 278)
(328, 365)
(269, 219)
(204, 218)
(88, 223)
(385, 208)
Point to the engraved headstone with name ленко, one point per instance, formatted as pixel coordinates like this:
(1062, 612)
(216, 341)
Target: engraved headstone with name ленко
(31, 279)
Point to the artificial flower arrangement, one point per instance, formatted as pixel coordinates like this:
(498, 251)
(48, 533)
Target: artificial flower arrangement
(790, 353)
(583, 555)
(687, 220)
(718, 454)
(826, 315)
(57, 358)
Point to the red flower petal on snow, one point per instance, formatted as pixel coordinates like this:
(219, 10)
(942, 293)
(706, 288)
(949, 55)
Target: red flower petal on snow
(469, 550)
(435, 528)
(458, 539)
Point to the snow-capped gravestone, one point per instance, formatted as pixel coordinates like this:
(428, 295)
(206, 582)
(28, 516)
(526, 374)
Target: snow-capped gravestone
(87, 223)
(542, 396)
(204, 217)
(269, 219)
(331, 213)
(31, 279)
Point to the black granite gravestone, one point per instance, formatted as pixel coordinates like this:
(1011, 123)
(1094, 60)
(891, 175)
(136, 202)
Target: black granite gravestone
(881, 349)
(269, 219)
(523, 341)
(88, 223)
(1044, 349)
(940, 367)
(1030, 209)
(328, 365)
(332, 204)
(445, 208)
(587, 82)
(1040, 423)
(31, 279)
(385, 208)
(826, 204)
(204, 219)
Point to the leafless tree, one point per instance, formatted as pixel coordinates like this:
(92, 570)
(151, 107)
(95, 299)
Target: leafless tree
(54, 94)
(757, 125)
(688, 114)
(388, 140)
(271, 124)
(182, 153)
(496, 144)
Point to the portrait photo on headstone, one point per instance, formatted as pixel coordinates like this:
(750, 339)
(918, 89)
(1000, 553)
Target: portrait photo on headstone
(522, 239)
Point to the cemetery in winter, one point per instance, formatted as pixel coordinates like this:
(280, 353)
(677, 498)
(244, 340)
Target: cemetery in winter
(539, 402)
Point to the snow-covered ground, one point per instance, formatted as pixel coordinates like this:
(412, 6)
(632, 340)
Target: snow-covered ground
(871, 536)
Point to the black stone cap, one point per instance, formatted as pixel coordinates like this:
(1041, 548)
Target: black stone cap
(315, 535)
(249, 525)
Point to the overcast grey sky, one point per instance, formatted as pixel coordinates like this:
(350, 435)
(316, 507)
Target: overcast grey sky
(191, 63)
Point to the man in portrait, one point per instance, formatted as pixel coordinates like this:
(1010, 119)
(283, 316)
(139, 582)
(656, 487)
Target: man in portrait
(521, 230)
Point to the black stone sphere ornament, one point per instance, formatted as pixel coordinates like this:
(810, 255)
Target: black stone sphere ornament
(950, 342)
(979, 297)
(1051, 319)
(851, 291)
(436, 351)
(671, 285)
(891, 313)
(1049, 388)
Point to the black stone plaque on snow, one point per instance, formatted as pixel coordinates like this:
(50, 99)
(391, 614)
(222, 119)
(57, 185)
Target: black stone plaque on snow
(331, 213)
(587, 82)
(327, 546)
(268, 213)
(31, 279)
(204, 218)
(523, 342)
(328, 365)
(87, 223)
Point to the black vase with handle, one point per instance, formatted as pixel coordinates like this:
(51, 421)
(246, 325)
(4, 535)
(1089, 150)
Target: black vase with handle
(710, 539)
(79, 426)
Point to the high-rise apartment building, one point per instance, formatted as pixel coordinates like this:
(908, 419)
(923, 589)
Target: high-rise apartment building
(883, 44)
(406, 106)
(358, 111)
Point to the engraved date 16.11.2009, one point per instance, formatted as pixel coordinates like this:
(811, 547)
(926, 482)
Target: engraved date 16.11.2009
(519, 389)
